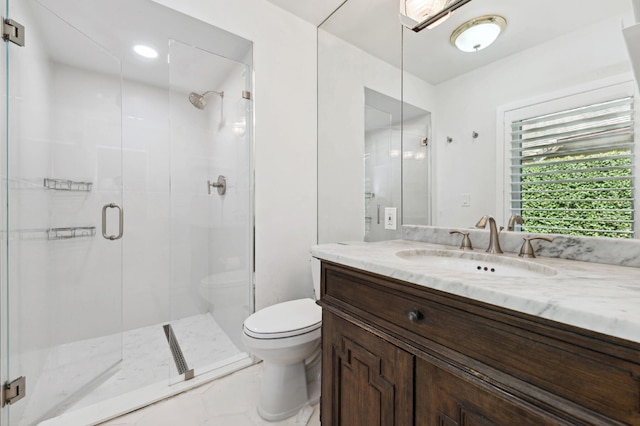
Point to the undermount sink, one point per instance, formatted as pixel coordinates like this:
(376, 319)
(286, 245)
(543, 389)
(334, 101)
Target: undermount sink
(458, 261)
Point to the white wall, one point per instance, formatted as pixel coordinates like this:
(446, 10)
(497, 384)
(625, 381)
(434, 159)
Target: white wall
(285, 133)
(469, 103)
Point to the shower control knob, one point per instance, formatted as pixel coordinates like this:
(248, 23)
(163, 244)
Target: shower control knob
(220, 184)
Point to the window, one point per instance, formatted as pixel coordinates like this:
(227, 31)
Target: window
(572, 172)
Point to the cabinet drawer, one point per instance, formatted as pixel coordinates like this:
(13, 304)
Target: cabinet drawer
(418, 315)
(593, 372)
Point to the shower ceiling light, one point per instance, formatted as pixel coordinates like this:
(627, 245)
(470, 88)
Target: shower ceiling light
(420, 14)
(145, 51)
(478, 33)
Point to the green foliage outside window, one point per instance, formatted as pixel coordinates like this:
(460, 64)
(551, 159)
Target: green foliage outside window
(600, 207)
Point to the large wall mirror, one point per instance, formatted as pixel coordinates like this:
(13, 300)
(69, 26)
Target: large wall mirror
(365, 159)
(549, 57)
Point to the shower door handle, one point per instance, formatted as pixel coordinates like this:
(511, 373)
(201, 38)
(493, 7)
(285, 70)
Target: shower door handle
(104, 221)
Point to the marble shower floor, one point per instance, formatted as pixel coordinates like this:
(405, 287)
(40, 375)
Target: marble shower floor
(146, 359)
(228, 401)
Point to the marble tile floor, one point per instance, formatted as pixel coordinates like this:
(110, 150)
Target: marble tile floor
(228, 401)
(201, 340)
(146, 359)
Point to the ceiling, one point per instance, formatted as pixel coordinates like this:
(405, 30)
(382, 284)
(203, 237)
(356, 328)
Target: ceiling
(98, 35)
(314, 11)
(373, 26)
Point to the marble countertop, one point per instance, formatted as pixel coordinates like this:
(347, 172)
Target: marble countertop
(600, 297)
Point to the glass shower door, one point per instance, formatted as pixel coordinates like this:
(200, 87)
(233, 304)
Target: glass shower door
(62, 257)
(211, 219)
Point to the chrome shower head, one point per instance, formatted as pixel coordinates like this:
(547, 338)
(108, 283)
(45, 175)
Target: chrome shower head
(198, 101)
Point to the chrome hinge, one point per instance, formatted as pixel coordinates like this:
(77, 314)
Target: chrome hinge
(14, 391)
(246, 94)
(13, 32)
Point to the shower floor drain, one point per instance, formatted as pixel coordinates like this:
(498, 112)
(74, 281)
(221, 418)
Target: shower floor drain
(178, 356)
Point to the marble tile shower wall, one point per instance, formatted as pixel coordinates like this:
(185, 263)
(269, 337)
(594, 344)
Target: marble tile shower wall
(181, 234)
(147, 204)
(210, 248)
(85, 137)
(231, 222)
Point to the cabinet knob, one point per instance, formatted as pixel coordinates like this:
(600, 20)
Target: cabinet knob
(415, 315)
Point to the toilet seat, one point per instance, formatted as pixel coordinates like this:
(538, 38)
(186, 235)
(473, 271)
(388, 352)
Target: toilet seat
(287, 319)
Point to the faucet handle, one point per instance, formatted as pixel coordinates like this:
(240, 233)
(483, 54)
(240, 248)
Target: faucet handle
(466, 241)
(527, 249)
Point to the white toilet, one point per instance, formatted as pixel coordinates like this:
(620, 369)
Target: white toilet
(286, 336)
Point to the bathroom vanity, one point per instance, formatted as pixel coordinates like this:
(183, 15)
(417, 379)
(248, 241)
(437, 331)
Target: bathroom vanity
(408, 343)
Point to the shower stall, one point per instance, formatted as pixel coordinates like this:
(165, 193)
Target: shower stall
(127, 207)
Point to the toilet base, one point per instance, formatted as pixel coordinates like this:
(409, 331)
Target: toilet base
(313, 391)
(283, 392)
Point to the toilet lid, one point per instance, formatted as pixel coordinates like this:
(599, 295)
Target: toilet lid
(284, 320)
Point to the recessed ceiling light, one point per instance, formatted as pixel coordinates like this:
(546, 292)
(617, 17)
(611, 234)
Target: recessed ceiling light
(145, 51)
(478, 33)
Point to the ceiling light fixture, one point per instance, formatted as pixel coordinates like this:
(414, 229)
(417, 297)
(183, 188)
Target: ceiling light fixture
(478, 33)
(420, 14)
(145, 51)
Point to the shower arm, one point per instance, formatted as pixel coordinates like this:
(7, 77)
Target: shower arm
(221, 94)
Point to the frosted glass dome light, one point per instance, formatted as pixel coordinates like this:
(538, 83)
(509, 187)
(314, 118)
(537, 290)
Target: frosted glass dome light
(478, 33)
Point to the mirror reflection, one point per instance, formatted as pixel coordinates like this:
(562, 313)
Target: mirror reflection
(544, 61)
(385, 161)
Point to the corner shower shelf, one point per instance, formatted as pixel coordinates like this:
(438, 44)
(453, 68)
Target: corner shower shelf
(67, 185)
(72, 232)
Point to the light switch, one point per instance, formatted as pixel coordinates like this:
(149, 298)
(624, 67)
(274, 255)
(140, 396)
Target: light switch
(465, 200)
(390, 214)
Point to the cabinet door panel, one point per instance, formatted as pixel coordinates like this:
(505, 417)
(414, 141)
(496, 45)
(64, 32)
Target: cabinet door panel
(447, 399)
(366, 380)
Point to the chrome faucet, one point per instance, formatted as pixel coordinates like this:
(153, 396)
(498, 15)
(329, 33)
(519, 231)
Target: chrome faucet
(515, 218)
(494, 238)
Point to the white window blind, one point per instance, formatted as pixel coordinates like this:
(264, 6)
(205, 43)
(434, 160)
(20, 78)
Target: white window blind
(572, 171)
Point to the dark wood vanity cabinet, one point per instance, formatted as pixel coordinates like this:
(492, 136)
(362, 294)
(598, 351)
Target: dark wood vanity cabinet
(396, 353)
(368, 379)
